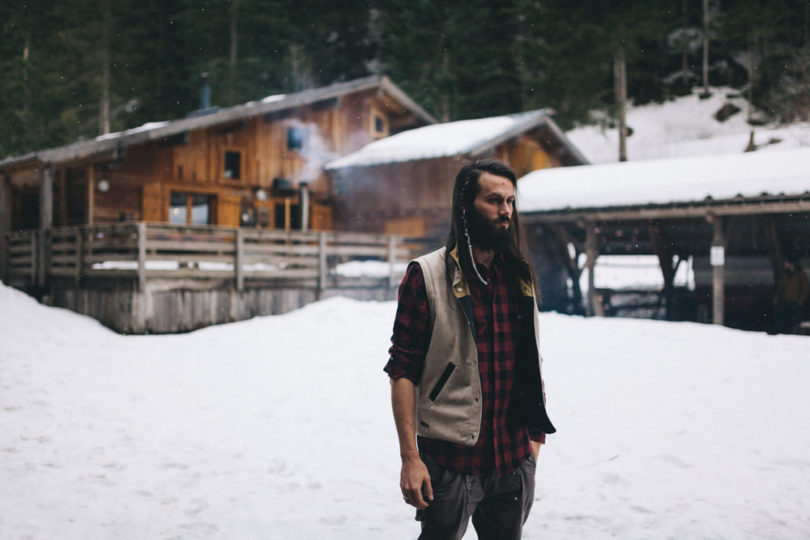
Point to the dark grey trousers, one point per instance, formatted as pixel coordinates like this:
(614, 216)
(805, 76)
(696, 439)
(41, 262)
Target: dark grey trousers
(498, 504)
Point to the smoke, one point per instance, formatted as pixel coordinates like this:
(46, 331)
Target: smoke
(307, 139)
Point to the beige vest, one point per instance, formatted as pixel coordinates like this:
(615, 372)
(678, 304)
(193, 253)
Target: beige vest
(448, 397)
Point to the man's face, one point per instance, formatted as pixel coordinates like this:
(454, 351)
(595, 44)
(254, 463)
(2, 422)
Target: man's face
(493, 206)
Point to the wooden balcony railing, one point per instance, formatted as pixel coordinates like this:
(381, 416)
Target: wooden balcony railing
(148, 251)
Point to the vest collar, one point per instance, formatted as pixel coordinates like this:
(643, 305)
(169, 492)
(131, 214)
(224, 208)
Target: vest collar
(460, 287)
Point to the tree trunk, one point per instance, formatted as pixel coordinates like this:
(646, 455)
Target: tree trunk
(620, 82)
(751, 73)
(705, 47)
(233, 53)
(104, 105)
(685, 52)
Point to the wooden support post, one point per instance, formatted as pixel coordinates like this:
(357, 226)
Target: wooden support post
(4, 255)
(717, 259)
(591, 252)
(392, 259)
(142, 256)
(239, 260)
(287, 214)
(46, 196)
(91, 193)
(63, 217)
(5, 204)
(321, 264)
(303, 207)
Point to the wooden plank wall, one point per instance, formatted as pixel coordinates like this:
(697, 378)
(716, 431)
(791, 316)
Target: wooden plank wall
(141, 184)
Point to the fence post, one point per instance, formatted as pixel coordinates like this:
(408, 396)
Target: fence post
(321, 264)
(34, 257)
(392, 259)
(239, 260)
(79, 254)
(44, 257)
(142, 256)
(4, 255)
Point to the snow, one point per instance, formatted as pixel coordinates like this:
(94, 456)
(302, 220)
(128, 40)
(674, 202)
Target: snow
(664, 181)
(274, 98)
(149, 126)
(261, 429)
(639, 272)
(686, 127)
(370, 268)
(438, 140)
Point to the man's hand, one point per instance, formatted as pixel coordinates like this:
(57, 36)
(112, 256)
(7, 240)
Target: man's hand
(535, 449)
(413, 478)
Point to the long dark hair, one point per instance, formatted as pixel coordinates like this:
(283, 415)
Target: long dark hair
(465, 190)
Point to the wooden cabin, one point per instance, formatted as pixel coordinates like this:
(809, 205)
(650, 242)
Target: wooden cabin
(403, 184)
(253, 165)
(733, 217)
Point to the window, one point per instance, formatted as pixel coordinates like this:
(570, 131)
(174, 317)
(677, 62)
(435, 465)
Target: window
(379, 124)
(190, 209)
(233, 165)
(297, 138)
(280, 214)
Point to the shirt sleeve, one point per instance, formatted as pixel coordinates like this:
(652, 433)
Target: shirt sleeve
(411, 335)
(537, 436)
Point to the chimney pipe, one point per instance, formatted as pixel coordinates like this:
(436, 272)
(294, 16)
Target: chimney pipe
(205, 92)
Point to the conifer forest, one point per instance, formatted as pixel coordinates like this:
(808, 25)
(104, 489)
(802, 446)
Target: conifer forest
(73, 70)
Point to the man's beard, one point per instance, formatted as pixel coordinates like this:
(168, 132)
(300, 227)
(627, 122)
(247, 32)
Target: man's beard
(486, 234)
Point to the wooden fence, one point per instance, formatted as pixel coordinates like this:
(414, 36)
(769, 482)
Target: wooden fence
(204, 254)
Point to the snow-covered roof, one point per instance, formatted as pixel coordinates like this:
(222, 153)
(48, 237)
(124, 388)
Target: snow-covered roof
(667, 181)
(468, 137)
(160, 130)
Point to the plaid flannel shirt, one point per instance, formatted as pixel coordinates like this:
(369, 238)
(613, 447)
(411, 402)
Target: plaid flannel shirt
(503, 443)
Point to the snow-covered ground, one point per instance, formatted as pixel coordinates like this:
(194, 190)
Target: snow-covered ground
(686, 127)
(280, 427)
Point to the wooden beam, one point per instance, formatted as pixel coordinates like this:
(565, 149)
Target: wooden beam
(742, 209)
(717, 260)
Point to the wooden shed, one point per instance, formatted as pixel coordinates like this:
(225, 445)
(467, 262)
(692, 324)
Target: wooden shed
(256, 164)
(734, 218)
(403, 184)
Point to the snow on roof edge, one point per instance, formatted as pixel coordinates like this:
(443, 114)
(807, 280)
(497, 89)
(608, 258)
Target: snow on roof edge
(667, 181)
(437, 140)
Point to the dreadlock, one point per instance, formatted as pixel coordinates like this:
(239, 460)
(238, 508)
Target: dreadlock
(465, 190)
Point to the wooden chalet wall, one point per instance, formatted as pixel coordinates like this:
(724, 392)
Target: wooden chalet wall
(140, 179)
(414, 198)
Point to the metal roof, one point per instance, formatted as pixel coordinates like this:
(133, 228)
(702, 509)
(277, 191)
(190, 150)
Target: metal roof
(160, 130)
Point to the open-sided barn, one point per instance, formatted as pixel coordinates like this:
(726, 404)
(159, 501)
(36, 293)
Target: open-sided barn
(735, 217)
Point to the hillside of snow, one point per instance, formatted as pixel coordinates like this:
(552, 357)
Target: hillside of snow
(686, 126)
(280, 427)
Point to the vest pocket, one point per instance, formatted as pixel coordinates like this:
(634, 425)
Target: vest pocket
(442, 381)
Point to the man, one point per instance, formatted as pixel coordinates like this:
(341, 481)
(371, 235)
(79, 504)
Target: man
(466, 386)
(791, 292)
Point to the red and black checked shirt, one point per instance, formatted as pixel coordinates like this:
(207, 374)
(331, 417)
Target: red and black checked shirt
(503, 443)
